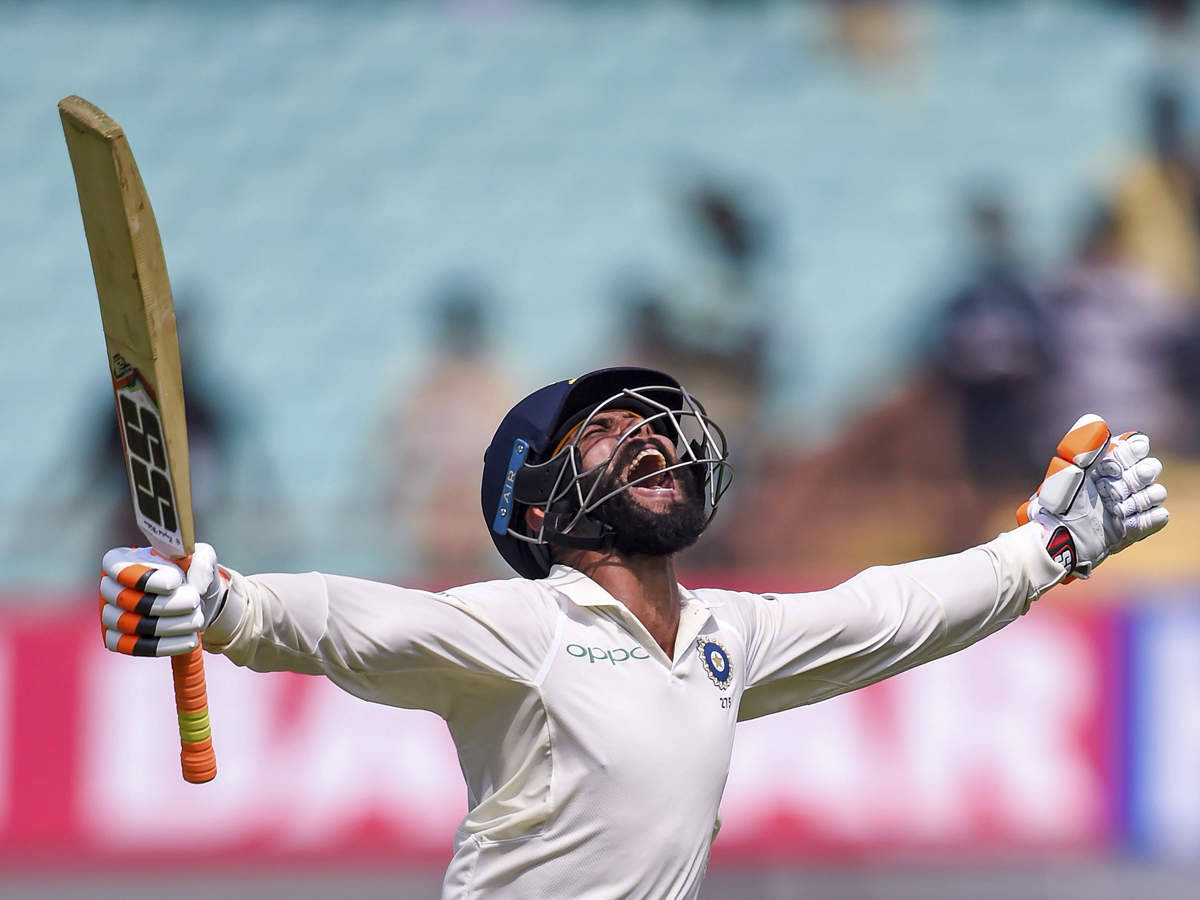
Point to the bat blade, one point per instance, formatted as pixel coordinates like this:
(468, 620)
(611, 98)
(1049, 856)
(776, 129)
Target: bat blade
(138, 316)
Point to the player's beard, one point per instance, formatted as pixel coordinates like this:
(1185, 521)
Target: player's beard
(641, 530)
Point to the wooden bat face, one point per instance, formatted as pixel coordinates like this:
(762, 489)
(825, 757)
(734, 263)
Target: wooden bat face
(139, 323)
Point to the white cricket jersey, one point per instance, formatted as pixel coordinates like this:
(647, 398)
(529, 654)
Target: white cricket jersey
(594, 762)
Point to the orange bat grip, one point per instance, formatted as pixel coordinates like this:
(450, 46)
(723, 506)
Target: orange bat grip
(196, 753)
(191, 703)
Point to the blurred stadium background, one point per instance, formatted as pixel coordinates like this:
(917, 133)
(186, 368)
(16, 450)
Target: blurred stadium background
(895, 246)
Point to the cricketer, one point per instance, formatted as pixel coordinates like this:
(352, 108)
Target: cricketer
(593, 698)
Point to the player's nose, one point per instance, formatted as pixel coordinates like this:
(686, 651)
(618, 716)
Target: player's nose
(635, 426)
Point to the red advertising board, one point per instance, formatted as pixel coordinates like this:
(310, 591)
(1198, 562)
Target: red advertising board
(1007, 747)
(1010, 746)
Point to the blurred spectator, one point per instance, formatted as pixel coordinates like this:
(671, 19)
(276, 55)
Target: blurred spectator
(874, 32)
(727, 227)
(713, 333)
(1158, 199)
(647, 319)
(722, 342)
(1172, 19)
(435, 434)
(889, 484)
(722, 363)
(1114, 344)
(993, 355)
(938, 459)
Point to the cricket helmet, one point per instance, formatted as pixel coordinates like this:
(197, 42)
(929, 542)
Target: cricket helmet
(532, 460)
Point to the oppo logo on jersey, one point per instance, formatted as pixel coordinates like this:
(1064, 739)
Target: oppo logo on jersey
(594, 654)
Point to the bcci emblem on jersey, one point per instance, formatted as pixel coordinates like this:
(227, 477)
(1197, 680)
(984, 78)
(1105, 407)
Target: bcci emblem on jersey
(716, 662)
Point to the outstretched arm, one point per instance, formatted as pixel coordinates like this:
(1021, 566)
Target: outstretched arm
(809, 647)
(393, 645)
(1100, 494)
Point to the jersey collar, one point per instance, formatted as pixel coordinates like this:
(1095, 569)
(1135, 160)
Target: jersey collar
(579, 588)
(584, 592)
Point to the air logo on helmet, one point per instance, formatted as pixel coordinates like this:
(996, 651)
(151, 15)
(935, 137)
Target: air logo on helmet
(504, 509)
(716, 662)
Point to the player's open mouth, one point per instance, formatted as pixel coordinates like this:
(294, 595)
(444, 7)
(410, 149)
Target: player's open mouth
(646, 473)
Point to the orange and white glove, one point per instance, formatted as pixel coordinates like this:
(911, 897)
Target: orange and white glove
(1100, 495)
(149, 606)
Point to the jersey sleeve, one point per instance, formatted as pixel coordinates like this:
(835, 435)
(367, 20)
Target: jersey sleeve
(802, 648)
(402, 647)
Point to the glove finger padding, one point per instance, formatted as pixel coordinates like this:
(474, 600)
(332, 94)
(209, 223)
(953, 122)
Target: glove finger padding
(1060, 485)
(178, 602)
(1123, 452)
(1129, 481)
(1080, 448)
(1068, 504)
(1142, 501)
(1147, 523)
(146, 607)
(1140, 515)
(1085, 442)
(208, 579)
(115, 619)
(142, 568)
(136, 645)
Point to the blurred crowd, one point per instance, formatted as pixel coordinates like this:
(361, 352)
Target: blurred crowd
(1013, 358)
(938, 459)
(942, 458)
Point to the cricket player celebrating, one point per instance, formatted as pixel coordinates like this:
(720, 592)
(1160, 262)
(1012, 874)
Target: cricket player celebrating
(593, 700)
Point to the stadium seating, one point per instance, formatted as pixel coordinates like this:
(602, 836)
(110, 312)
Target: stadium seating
(317, 169)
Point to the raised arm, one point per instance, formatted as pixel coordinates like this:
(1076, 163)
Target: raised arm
(1100, 495)
(393, 645)
(807, 647)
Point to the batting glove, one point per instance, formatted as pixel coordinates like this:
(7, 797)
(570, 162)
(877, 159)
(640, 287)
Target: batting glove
(149, 605)
(1100, 495)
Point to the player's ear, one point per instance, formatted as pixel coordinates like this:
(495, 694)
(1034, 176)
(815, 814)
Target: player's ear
(534, 516)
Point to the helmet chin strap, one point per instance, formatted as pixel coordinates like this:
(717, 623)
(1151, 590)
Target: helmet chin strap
(588, 534)
(534, 483)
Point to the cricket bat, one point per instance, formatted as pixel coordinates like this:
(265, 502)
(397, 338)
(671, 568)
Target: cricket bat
(143, 357)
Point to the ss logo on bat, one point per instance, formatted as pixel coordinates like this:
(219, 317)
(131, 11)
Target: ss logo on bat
(147, 453)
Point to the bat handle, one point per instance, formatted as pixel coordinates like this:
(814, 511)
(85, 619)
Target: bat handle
(191, 703)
